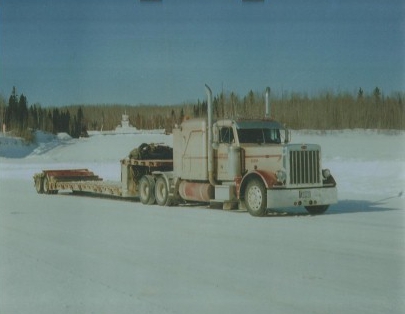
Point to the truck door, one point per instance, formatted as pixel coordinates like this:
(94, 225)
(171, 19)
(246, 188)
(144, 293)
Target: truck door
(226, 139)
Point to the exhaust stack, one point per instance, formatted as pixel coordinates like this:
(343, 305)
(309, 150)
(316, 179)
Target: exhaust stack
(267, 102)
(210, 136)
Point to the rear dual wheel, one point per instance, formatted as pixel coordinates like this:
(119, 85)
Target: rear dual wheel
(147, 190)
(162, 192)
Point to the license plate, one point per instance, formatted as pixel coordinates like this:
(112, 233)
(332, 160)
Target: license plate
(305, 194)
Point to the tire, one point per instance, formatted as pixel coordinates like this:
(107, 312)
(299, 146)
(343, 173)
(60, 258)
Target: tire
(256, 198)
(162, 192)
(317, 210)
(45, 185)
(39, 185)
(147, 190)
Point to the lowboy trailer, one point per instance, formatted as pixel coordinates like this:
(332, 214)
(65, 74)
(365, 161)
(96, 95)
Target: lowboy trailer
(85, 181)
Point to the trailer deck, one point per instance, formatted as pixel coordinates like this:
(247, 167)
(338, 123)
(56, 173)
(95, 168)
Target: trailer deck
(110, 188)
(86, 181)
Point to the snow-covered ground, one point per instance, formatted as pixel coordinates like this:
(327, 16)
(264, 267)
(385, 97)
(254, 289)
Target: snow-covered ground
(68, 254)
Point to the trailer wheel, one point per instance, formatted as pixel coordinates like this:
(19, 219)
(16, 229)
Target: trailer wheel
(162, 192)
(316, 210)
(256, 198)
(45, 185)
(147, 190)
(39, 185)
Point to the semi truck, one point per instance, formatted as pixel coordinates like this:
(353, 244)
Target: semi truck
(245, 164)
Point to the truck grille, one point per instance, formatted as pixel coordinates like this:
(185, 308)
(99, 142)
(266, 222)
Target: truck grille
(304, 167)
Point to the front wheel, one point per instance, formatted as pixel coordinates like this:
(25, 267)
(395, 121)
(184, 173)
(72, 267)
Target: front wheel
(256, 198)
(317, 210)
(147, 190)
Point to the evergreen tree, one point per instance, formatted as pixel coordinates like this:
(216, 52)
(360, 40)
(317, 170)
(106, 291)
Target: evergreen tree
(22, 113)
(12, 110)
(33, 117)
(377, 95)
(55, 120)
(360, 94)
(2, 112)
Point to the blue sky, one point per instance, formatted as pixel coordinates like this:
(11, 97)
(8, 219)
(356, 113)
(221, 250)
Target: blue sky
(130, 51)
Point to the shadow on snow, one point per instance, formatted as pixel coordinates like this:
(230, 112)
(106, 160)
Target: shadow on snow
(342, 207)
(362, 206)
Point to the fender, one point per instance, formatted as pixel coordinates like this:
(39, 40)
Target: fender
(269, 179)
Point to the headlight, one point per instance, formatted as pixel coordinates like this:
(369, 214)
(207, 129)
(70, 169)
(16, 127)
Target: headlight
(281, 176)
(326, 173)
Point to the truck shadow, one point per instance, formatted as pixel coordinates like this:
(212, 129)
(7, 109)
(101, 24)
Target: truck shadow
(361, 206)
(344, 207)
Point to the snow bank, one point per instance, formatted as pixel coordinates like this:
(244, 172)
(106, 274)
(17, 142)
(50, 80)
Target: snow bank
(12, 147)
(62, 147)
(15, 147)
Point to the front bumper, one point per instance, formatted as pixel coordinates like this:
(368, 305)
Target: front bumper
(278, 198)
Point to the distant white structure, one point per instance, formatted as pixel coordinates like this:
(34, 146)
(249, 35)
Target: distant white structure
(125, 126)
(125, 121)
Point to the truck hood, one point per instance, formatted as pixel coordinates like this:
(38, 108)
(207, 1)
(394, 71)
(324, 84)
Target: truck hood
(266, 151)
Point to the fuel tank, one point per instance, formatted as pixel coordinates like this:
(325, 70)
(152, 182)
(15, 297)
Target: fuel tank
(194, 191)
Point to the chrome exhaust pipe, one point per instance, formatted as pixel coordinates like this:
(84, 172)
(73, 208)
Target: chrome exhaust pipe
(210, 113)
(267, 102)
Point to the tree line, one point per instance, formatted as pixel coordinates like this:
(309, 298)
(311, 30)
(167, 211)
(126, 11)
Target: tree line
(325, 111)
(21, 120)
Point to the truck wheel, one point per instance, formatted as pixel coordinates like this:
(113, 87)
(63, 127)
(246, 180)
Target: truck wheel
(147, 190)
(39, 185)
(317, 210)
(162, 192)
(256, 198)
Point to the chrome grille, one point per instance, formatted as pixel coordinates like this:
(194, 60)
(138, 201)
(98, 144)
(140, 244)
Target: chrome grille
(304, 167)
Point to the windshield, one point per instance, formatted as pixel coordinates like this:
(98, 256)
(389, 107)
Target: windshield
(259, 136)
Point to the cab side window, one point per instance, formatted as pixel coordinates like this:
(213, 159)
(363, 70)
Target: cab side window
(272, 136)
(226, 135)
